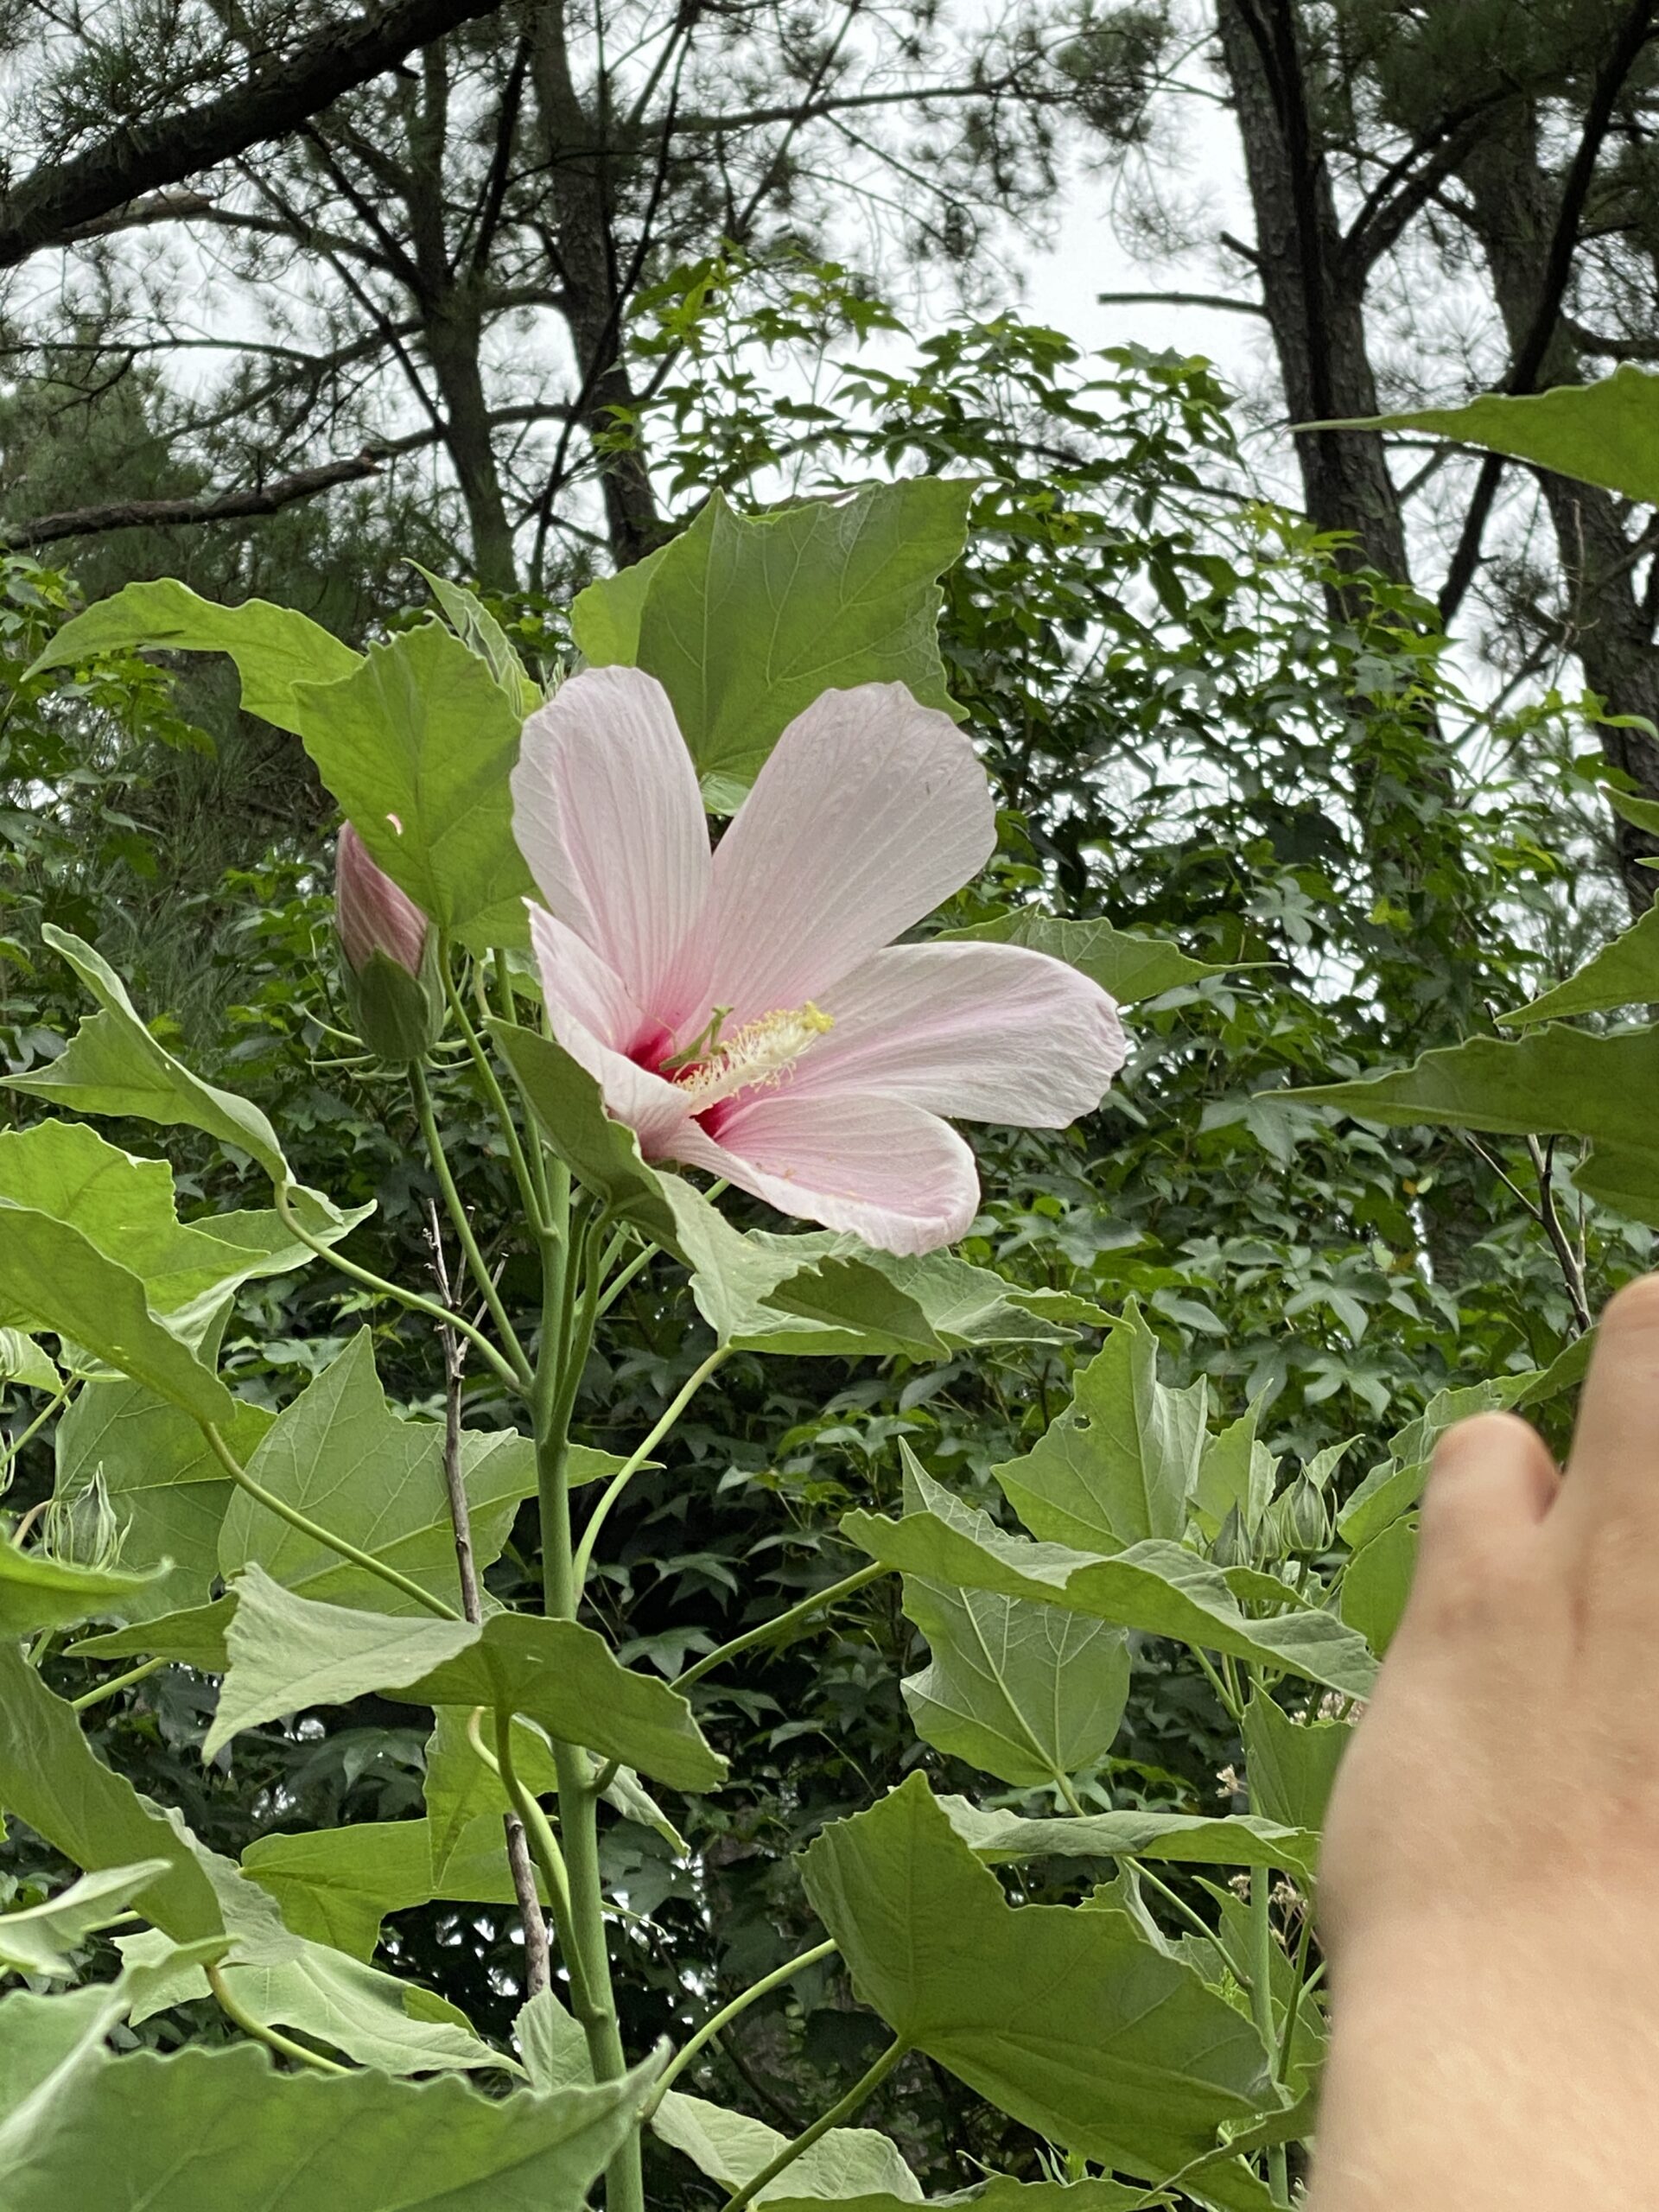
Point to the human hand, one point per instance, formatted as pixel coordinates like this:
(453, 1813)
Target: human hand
(1489, 1886)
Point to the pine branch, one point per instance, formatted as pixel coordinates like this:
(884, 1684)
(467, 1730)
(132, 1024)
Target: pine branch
(280, 92)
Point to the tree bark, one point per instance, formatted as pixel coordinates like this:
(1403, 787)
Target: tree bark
(1312, 290)
(583, 172)
(1513, 204)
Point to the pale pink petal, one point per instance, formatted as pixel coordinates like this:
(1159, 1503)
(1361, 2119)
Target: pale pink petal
(897, 1177)
(990, 1033)
(595, 1018)
(606, 812)
(870, 810)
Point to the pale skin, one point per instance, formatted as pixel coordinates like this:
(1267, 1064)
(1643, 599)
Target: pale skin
(1489, 1901)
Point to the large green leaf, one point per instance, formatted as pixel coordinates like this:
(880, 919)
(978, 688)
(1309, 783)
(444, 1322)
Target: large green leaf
(1126, 967)
(163, 1482)
(1121, 1461)
(1069, 2020)
(418, 743)
(203, 2130)
(1554, 1080)
(745, 620)
(339, 1454)
(275, 648)
(41, 1938)
(53, 1277)
(1606, 433)
(1238, 1840)
(51, 1777)
(1292, 1764)
(127, 1206)
(1029, 1693)
(194, 1636)
(1623, 973)
(286, 1652)
(336, 1885)
(1236, 1472)
(113, 1065)
(37, 1590)
(1377, 1582)
(731, 2149)
(478, 629)
(825, 1294)
(1154, 1586)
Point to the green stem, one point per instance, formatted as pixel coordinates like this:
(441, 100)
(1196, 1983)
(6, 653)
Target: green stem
(1230, 1704)
(53, 1405)
(631, 1466)
(498, 1097)
(457, 1211)
(1174, 1898)
(544, 1845)
(617, 1284)
(780, 1626)
(861, 2091)
(138, 1673)
(712, 2026)
(563, 1355)
(412, 1298)
(273, 2038)
(1262, 2005)
(339, 1545)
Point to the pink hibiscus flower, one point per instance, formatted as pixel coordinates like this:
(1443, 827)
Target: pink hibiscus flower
(744, 1010)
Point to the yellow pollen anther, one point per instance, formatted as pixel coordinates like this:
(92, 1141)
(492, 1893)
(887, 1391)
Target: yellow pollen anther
(756, 1057)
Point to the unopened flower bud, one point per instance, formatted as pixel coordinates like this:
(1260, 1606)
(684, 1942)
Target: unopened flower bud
(1306, 1517)
(389, 958)
(81, 1529)
(372, 914)
(1232, 1545)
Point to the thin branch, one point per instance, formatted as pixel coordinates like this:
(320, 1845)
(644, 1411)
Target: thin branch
(1218, 300)
(1558, 271)
(1543, 1161)
(170, 514)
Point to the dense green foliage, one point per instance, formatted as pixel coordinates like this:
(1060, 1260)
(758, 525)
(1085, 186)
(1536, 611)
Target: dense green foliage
(1216, 1329)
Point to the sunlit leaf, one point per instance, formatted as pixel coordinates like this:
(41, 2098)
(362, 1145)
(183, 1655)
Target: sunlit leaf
(274, 648)
(1606, 433)
(286, 1652)
(51, 1777)
(416, 743)
(1235, 1840)
(745, 620)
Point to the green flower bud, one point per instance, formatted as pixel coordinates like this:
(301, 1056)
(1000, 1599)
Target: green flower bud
(389, 959)
(80, 1528)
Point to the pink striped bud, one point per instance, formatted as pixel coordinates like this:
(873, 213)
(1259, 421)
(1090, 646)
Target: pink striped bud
(372, 914)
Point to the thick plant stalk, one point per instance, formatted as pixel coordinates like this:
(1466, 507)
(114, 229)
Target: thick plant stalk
(537, 1972)
(569, 1312)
